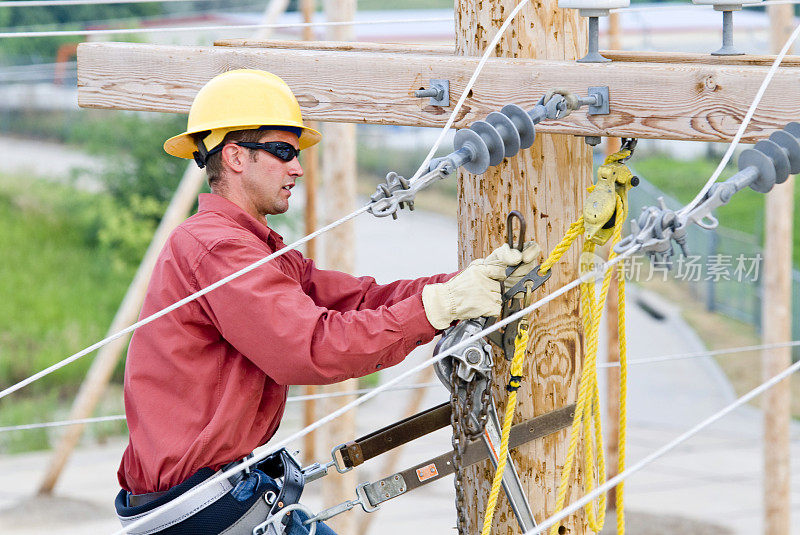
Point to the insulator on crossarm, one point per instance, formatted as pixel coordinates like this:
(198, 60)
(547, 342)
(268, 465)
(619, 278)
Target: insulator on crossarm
(508, 132)
(774, 158)
(522, 122)
(493, 140)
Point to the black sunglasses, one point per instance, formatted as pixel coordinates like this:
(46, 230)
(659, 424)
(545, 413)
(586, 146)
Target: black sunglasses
(280, 149)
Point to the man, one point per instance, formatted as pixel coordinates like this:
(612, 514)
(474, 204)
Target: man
(207, 384)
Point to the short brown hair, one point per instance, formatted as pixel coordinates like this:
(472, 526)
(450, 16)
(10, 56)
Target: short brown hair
(214, 162)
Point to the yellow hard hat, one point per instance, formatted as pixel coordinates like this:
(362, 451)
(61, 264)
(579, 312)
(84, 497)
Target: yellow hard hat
(241, 99)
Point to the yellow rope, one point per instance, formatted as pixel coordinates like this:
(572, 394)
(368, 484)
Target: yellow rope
(623, 395)
(587, 411)
(574, 230)
(520, 346)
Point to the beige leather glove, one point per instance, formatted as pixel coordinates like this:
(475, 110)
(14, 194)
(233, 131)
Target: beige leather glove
(473, 293)
(529, 259)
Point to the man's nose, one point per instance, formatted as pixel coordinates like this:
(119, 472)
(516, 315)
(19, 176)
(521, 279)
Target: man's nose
(295, 169)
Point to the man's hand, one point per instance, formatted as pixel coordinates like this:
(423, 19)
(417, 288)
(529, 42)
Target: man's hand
(476, 291)
(528, 259)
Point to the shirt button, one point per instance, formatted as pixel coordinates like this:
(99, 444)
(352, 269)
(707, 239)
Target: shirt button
(379, 366)
(419, 342)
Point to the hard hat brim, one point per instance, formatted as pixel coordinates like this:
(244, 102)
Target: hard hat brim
(184, 146)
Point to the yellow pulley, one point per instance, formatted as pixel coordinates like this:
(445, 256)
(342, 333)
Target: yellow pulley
(614, 179)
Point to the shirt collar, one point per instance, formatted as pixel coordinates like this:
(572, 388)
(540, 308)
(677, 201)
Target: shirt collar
(210, 202)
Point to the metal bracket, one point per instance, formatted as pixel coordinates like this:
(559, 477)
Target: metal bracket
(602, 104)
(384, 489)
(438, 91)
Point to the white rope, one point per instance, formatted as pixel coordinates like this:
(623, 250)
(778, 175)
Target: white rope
(587, 277)
(61, 423)
(767, 79)
(290, 399)
(698, 354)
(192, 297)
(489, 49)
(125, 31)
(418, 386)
(47, 3)
(663, 450)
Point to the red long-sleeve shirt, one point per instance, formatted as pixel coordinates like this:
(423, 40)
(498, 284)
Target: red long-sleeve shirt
(207, 383)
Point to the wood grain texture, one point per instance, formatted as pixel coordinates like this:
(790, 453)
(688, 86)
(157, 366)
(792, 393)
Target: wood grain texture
(649, 100)
(342, 46)
(704, 59)
(776, 324)
(545, 183)
(631, 56)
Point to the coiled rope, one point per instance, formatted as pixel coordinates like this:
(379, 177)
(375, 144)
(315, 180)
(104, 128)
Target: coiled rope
(587, 410)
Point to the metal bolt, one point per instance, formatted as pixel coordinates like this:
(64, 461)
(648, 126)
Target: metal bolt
(592, 140)
(432, 92)
(473, 355)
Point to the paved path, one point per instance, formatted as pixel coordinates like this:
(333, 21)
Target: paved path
(713, 478)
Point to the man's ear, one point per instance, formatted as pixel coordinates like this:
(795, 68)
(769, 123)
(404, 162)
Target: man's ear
(232, 156)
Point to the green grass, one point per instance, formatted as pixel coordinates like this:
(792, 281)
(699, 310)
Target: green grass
(58, 293)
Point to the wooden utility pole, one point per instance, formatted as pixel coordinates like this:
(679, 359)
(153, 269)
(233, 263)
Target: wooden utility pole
(612, 327)
(105, 362)
(776, 324)
(310, 178)
(547, 183)
(339, 179)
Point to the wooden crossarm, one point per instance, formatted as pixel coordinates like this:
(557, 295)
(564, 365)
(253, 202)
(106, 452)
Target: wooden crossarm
(683, 100)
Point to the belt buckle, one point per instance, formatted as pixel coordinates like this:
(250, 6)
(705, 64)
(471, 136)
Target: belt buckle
(240, 475)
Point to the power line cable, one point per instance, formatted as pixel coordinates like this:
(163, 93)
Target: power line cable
(290, 399)
(49, 3)
(293, 399)
(699, 354)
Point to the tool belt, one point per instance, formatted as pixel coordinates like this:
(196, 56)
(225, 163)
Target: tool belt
(216, 508)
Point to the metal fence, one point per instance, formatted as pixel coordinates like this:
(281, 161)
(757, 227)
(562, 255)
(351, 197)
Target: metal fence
(724, 269)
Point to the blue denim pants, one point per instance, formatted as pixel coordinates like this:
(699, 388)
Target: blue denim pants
(257, 483)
